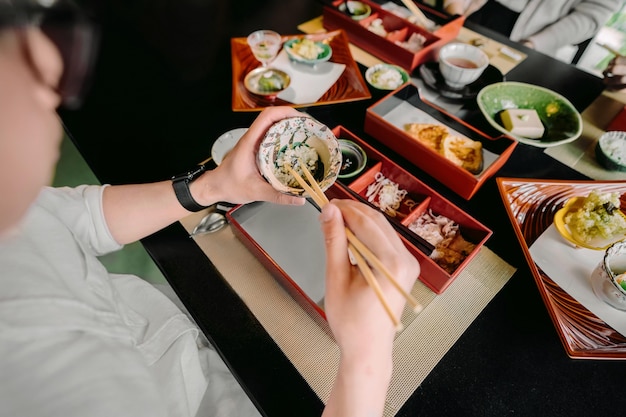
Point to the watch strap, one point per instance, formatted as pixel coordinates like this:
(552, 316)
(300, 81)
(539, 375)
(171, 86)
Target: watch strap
(183, 193)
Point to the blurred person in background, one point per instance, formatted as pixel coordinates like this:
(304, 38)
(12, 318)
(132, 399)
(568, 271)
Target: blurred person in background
(539, 24)
(615, 74)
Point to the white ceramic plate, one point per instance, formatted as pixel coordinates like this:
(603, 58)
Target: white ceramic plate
(225, 143)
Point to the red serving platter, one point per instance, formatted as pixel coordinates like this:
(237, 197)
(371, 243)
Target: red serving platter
(349, 87)
(531, 205)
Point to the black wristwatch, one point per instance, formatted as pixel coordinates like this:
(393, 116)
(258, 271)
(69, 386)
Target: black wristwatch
(181, 188)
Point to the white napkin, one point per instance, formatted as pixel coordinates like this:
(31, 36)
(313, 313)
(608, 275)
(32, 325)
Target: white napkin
(308, 83)
(571, 269)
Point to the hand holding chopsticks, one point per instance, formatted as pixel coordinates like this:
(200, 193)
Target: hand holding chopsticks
(363, 256)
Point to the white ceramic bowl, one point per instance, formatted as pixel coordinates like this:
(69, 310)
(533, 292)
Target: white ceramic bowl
(604, 279)
(611, 150)
(461, 64)
(295, 133)
(386, 76)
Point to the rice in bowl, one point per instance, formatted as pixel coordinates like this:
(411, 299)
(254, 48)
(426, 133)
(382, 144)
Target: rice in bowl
(296, 139)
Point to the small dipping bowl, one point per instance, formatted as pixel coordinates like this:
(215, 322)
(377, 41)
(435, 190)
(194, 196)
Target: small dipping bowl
(611, 151)
(291, 133)
(353, 157)
(461, 64)
(605, 277)
(267, 82)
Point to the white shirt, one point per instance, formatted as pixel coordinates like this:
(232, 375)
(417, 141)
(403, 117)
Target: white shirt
(514, 5)
(78, 341)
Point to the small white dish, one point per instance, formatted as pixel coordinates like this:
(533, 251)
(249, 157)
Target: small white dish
(225, 143)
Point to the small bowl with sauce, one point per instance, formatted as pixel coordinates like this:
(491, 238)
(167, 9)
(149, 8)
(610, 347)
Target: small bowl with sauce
(353, 159)
(461, 63)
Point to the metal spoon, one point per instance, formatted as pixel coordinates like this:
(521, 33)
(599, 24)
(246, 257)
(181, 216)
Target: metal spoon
(210, 223)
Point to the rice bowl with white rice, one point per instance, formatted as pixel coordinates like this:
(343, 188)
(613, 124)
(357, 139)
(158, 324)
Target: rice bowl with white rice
(294, 156)
(297, 140)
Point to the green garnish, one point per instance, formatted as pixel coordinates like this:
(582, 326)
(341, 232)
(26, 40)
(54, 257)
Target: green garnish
(270, 81)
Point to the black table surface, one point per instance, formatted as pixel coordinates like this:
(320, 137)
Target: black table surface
(161, 95)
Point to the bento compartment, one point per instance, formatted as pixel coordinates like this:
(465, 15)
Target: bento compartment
(386, 35)
(450, 231)
(410, 126)
(392, 190)
(388, 26)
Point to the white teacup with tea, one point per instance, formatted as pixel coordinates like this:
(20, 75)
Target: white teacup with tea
(461, 64)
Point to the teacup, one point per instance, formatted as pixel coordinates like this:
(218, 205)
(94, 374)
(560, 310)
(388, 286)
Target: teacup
(461, 64)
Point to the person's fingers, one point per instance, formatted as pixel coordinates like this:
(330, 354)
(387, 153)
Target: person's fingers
(264, 121)
(336, 245)
(372, 229)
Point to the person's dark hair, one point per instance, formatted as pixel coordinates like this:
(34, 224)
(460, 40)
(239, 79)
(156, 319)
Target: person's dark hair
(69, 28)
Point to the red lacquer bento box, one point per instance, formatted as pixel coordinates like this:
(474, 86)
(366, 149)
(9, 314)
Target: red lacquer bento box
(271, 232)
(387, 121)
(393, 38)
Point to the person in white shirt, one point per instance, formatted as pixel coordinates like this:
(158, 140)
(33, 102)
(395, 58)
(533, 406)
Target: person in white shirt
(540, 24)
(614, 75)
(76, 340)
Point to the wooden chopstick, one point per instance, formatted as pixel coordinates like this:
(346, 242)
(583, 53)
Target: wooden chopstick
(321, 200)
(416, 240)
(364, 250)
(360, 252)
(421, 17)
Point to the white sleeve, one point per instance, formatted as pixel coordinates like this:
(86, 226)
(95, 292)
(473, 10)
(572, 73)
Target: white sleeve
(80, 209)
(77, 374)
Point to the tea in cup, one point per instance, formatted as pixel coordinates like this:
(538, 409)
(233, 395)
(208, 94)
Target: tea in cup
(461, 64)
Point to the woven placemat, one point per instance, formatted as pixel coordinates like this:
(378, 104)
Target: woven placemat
(580, 154)
(426, 337)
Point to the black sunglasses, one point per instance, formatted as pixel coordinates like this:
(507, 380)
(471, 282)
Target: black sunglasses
(73, 33)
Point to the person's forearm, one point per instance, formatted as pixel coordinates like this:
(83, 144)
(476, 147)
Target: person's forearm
(360, 388)
(135, 211)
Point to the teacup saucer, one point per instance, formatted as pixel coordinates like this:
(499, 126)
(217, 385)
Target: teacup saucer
(430, 74)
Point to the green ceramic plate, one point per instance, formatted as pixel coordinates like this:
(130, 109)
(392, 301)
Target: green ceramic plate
(560, 118)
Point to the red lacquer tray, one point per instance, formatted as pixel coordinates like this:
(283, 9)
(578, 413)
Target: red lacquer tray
(349, 87)
(531, 205)
(384, 120)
